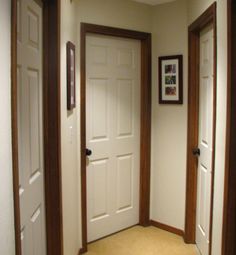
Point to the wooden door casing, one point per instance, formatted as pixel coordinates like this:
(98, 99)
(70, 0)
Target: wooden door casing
(209, 16)
(145, 147)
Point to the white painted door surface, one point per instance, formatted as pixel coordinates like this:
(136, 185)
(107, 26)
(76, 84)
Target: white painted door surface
(30, 125)
(113, 134)
(205, 140)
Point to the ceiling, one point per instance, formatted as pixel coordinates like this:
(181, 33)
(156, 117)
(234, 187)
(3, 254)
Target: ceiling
(154, 2)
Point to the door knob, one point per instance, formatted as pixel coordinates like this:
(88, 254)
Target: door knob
(88, 152)
(196, 152)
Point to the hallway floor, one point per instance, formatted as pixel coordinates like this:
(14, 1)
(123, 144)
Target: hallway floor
(142, 241)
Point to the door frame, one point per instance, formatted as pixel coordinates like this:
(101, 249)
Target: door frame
(208, 17)
(229, 217)
(51, 126)
(145, 137)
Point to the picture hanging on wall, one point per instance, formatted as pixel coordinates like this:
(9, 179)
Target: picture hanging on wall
(70, 48)
(171, 79)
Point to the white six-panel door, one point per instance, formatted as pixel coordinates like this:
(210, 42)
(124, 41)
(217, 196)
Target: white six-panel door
(205, 140)
(113, 133)
(30, 127)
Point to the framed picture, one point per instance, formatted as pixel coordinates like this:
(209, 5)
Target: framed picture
(171, 79)
(70, 50)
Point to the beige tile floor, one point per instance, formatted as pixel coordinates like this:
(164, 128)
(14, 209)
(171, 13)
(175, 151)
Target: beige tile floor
(142, 241)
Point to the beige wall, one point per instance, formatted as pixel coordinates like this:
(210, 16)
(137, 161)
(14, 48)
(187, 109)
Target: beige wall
(6, 189)
(195, 8)
(69, 138)
(169, 122)
(116, 13)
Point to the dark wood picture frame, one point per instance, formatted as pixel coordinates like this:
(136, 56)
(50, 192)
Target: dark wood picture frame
(70, 57)
(171, 79)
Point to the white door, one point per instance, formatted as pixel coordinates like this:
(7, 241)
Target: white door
(30, 127)
(205, 140)
(113, 133)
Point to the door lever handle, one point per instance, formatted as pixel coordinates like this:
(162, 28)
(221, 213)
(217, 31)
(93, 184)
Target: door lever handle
(88, 152)
(196, 152)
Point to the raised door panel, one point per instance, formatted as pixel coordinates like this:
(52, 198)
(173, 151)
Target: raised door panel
(37, 232)
(23, 123)
(124, 183)
(34, 83)
(125, 108)
(98, 55)
(202, 205)
(98, 193)
(204, 111)
(98, 114)
(33, 28)
(125, 57)
(23, 242)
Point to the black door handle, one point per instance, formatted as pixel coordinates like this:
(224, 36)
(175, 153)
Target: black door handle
(88, 152)
(196, 152)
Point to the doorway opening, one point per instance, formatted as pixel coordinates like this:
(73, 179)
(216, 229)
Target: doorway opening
(206, 19)
(51, 126)
(145, 136)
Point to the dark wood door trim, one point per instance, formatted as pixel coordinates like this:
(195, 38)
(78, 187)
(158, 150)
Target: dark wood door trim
(145, 150)
(208, 17)
(14, 126)
(229, 218)
(52, 126)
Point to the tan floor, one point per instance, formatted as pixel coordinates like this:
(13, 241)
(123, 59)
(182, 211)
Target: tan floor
(142, 241)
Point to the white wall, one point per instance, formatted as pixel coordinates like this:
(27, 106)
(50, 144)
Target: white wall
(195, 8)
(7, 245)
(169, 122)
(69, 134)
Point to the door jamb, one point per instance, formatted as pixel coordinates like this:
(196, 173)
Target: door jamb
(51, 126)
(229, 217)
(145, 137)
(208, 17)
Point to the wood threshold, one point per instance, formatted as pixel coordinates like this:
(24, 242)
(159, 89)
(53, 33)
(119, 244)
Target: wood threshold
(208, 17)
(229, 215)
(167, 228)
(145, 138)
(51, 126)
